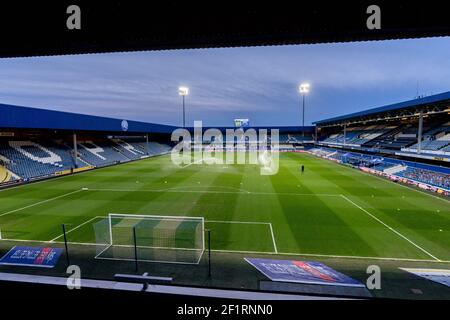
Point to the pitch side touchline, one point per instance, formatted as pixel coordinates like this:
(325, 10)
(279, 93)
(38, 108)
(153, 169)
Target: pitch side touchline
(256, 252)
(390, 228)
(330, 256)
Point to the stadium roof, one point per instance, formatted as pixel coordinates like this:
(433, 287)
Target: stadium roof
(430, 104)
(39, 28)
(282, 129)
(18, 117)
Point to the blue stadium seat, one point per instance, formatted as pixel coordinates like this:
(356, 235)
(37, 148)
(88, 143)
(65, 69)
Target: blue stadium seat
(35, 159)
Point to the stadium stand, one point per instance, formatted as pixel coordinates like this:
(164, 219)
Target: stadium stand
(38, 143)
(384, 140)
(433, 178)
(396, 139)
(419, 172)
(358, 135)
(436, 140)
(100, 154)
(158, 148)
(383, 166)
(27, 159)
(130, 149)
(295, 138)
(436, 137)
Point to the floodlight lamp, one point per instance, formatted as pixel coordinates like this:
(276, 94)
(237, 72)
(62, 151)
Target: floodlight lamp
(183, 91)
(303, 88)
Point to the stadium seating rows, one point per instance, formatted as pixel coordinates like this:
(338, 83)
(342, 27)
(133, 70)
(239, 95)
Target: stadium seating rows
(426, 176)
(295, 138)
(423, 173)
(33, 159)
(436, 137)
(358, 135)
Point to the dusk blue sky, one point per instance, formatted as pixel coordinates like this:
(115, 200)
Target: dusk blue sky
(259, 83)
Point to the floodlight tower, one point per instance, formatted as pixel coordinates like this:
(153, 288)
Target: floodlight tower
(303, 89)
(183, 91)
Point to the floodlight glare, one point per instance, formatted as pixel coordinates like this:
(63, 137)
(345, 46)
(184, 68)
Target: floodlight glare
(303, 88)
(183, 91)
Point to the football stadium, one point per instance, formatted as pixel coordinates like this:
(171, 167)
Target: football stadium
(361, 189)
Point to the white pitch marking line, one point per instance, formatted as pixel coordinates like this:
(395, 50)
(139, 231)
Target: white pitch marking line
(361, 257)
(330, 256)
(273, 238)
(243, 251)
(390, 228)
(243, 222)
(150, 261)
(41, 202)
(77, 227)
(197, 161)
(57, 242)
(181, 188)
(254, 252)
(101, 252)
(172, 190)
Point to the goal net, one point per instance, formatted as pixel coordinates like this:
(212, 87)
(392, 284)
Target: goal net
(171, 239)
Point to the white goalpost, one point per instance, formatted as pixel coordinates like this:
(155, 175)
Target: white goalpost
(151, 238)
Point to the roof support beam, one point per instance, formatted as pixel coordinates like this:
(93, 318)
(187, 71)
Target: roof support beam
(419, 134)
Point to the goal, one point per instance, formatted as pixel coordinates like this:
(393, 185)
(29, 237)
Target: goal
(151, 238)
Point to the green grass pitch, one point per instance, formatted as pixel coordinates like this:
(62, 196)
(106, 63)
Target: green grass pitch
(328, 210)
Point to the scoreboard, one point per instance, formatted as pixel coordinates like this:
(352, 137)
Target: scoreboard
(241, 123)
